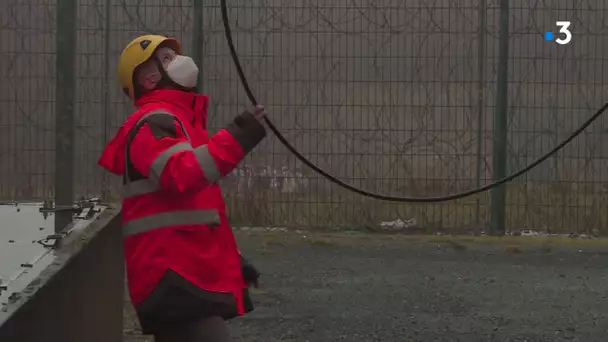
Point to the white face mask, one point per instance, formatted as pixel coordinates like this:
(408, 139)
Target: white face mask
(183, 71)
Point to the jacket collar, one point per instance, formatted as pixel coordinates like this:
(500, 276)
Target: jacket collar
(190, 105)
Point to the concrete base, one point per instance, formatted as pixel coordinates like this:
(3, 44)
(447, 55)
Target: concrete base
(79, 297)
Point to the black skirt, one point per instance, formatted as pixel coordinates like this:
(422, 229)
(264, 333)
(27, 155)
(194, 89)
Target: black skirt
(176, 302)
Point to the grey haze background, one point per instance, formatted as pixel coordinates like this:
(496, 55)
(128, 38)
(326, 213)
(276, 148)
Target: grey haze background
(383, 94)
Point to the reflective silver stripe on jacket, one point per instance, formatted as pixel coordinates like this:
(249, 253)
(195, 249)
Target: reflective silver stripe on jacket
(158, 165)
(173, 218)
(207, 164)
(139, 187)
(151, 184)
(146, 186)
(155, 112)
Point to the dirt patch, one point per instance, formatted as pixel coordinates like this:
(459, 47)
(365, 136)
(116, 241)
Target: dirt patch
(359, 287)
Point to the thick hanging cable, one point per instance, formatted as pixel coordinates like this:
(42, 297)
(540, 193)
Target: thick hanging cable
(249, 92)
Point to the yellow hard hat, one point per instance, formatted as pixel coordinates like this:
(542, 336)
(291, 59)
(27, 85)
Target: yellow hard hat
(138, 51)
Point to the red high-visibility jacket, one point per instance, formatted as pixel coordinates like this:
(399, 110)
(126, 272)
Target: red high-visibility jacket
(173, 213)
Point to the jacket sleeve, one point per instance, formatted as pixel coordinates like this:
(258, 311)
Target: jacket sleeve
(162, 152)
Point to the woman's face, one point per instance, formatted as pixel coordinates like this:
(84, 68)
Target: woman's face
(148, 74)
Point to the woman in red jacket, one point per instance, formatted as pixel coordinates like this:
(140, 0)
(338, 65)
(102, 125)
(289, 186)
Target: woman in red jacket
(185, 273)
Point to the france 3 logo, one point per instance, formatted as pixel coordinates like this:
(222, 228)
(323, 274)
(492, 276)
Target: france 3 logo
(564, 37)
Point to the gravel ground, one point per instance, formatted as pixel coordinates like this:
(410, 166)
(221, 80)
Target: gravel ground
(322, 287)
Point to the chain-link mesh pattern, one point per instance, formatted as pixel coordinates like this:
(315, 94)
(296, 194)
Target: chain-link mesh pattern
(395, 97)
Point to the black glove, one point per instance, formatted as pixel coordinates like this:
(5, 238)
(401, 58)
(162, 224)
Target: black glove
(247, 130)
(250, 273)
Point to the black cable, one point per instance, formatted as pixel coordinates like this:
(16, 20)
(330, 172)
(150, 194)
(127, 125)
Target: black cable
(239, 70)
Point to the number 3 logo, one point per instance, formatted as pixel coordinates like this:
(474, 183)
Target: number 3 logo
(563, 28)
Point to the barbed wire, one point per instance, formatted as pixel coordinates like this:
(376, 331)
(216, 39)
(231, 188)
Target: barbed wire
(381, 93)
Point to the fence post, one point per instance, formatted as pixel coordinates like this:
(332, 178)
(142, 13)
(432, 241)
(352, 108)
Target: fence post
(105, 186)
(197, 38)
(499, 146)
(481, 53)
(64, 109)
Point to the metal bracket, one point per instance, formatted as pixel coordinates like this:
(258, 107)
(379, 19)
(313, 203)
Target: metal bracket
(86, 206)
(83, 209)
(52, 241)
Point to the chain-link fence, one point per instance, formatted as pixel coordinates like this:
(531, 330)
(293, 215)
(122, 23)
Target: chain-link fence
(396, 97)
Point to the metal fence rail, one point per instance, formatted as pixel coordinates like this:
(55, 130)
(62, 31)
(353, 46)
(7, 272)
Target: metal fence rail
(397, 97)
